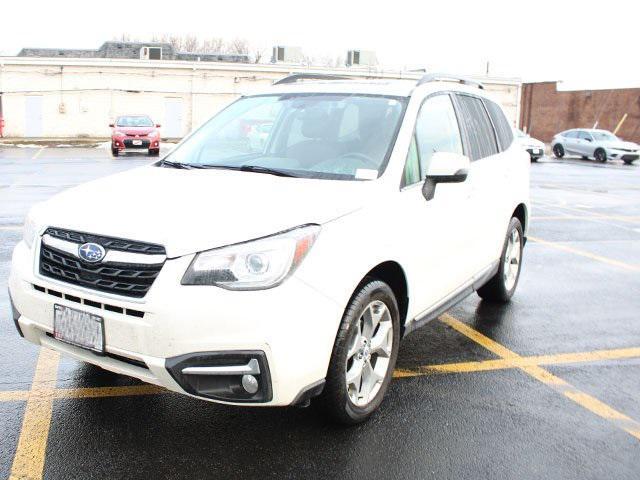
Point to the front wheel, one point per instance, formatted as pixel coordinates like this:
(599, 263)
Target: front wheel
(503, 284)
(558, 150)
(364, 354)
(600, 155)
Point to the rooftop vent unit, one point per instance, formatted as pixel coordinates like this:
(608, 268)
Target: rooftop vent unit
(361, 58)
(286, 55)
(151, 53)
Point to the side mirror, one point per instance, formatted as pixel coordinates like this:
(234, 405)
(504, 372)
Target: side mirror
(112, 125)
(158, 125)
(445, 167)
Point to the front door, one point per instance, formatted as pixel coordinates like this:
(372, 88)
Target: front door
(436, 233)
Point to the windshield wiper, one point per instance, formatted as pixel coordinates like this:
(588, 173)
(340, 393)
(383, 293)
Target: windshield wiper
(267, 170)
(171, 164)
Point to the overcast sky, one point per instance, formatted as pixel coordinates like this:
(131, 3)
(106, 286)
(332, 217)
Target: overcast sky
(591, 44)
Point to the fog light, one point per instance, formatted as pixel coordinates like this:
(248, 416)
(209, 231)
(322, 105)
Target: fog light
(250, 384)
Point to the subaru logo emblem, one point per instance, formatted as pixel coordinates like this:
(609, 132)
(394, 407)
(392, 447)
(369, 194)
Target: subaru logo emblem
(91, 252)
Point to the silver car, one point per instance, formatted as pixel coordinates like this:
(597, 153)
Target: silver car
(601, 145)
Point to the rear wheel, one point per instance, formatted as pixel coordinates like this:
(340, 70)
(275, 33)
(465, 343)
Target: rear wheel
(600, 155)
(558, 150)
(503, 284)
(364, 354)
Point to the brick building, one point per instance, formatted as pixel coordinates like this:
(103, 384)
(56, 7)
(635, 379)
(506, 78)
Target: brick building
(545, 111)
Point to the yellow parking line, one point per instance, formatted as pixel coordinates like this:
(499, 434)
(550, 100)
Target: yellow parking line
(501, 364)
(569, 391)
(14, 396)
(576, 251)
(38, 153)
(28, 461)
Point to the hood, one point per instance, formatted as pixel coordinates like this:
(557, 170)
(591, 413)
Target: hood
(132, 131)
(193, 210)
(529, 142)
(617, 144)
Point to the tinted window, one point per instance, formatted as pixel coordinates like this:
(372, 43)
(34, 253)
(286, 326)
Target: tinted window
(503, 129)
(480, 134)
(436, 130)
(584, 136)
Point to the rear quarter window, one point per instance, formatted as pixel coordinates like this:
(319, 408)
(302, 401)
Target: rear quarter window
(502, 127)
(479, 132)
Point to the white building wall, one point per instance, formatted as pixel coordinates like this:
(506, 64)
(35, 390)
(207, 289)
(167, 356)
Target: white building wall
(80, 97)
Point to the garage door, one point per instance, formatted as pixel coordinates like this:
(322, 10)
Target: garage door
(33, 116)
(172, 118)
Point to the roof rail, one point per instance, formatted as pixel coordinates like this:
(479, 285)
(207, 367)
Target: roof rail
(293, 78)
(446, 77)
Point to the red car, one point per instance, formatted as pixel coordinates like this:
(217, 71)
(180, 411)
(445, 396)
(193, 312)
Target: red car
(135, 132)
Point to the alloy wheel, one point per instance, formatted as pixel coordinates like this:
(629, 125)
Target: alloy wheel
(512, 257)
(369, 353)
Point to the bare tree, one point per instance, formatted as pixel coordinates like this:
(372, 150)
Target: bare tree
(238, 46)
(213, 45)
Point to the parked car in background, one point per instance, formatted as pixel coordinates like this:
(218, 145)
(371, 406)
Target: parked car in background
(533, 146)
(601, 145)
(135, 132)
(283, 270)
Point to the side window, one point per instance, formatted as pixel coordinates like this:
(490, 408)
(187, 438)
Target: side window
(584, 136)
(412, 167)
(571, 134)
(436, 130)
(502, 127)
(480, 133)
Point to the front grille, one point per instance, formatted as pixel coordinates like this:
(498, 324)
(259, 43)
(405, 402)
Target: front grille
(128, 279)
(129, 144)
(109, 243)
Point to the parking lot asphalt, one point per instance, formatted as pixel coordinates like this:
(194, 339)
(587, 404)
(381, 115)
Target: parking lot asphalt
(545, 387)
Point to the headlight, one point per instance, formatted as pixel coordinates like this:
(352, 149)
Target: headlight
(29, 231)
(253, 265)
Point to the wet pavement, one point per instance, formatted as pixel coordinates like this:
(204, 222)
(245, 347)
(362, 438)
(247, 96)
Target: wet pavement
(545, 387)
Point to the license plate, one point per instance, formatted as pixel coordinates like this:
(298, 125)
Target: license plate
(78, 328)
(136, 142)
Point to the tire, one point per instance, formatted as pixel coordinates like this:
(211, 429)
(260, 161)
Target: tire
(114, 152)
(600, 155)
(352, 353)
(500, 288)
(534, 159)
(558, 150)
(584, 157)
(154, 153)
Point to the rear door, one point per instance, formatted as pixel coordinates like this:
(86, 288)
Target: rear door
(584, 144)
(570, 142)
(489, 180)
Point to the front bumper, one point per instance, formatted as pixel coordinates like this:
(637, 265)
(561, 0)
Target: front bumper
(293, 325)
(129, 143)
(535, 152)
(624, 155)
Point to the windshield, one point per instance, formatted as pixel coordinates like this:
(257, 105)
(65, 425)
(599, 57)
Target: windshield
(604, 136)
(134, 121)
(334, 136)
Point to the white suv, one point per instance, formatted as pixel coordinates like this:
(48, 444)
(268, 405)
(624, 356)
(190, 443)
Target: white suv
(271, 272)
